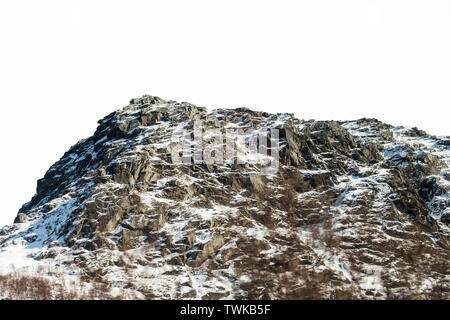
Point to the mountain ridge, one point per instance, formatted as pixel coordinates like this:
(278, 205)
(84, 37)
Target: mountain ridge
(358, 209)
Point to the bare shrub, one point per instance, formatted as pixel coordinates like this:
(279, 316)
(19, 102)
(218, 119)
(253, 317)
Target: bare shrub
(20, 286)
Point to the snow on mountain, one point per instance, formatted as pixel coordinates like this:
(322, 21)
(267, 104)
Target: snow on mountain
(357, 209)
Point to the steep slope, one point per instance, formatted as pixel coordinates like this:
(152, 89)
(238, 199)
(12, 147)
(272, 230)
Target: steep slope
(358, 209)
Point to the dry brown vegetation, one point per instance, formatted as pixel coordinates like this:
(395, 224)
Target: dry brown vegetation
(22, 286)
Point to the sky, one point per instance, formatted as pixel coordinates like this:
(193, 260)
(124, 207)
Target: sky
(66, 64)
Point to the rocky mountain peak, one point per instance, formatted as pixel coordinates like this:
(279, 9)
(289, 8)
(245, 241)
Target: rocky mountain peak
(355, 209)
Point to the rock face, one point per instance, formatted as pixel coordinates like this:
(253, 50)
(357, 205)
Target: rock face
(358, 209)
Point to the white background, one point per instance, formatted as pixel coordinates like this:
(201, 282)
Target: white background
(66, 64)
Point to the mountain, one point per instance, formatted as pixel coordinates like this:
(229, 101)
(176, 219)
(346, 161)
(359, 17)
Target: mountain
(349, 210)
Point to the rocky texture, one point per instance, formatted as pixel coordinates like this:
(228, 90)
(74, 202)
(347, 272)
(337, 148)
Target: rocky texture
(358, 209)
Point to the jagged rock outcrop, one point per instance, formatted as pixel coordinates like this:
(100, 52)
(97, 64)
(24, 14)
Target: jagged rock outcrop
(357, 209)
